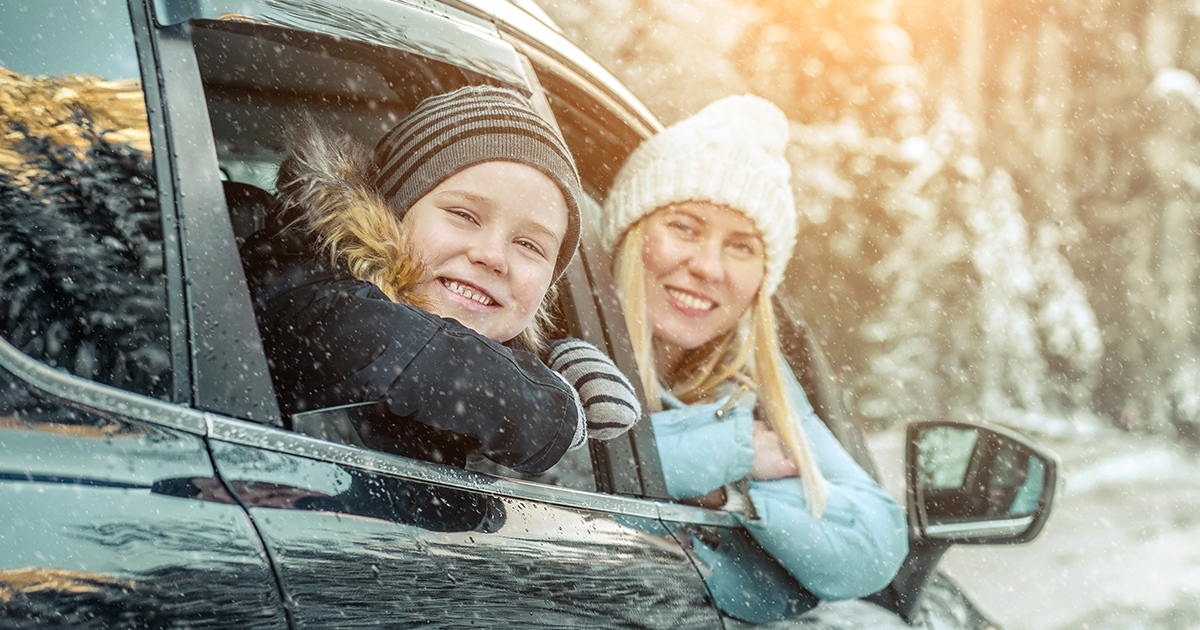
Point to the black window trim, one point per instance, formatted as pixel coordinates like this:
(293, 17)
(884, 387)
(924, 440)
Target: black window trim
(630, 463)
(180, 391)
(228, 365)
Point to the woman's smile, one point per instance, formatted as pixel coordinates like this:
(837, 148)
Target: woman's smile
(703, 264)
(690, 303)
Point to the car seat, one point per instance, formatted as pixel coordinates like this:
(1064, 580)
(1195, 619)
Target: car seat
(247, 205)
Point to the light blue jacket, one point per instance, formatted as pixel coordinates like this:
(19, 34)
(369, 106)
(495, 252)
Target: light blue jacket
(853, 550)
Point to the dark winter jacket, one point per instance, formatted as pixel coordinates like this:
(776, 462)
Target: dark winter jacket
(333, 338)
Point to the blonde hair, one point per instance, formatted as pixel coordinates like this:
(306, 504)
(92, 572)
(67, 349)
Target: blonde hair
(749, 354)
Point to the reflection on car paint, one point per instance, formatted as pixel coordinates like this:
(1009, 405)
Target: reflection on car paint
(89, 542)
(384, 549)
(744, 580)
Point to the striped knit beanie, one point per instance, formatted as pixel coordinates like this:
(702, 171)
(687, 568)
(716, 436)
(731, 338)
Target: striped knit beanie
(450, 132)
(731, 153)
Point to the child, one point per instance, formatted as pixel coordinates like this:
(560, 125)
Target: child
(469, 209)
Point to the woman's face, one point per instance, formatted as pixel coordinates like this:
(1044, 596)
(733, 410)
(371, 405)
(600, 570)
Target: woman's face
(703, 266)
(489, 236)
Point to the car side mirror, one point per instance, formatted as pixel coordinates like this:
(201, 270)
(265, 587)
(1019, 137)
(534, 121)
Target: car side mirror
(969, 484)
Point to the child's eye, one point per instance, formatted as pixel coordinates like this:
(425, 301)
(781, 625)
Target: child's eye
(463, 214)
(531, 246)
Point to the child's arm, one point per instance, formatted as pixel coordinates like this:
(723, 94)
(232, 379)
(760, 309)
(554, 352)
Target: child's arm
(335, 341)
(606, 394)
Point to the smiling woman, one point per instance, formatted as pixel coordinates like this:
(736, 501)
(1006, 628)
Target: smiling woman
(702, 222)
(703, 266)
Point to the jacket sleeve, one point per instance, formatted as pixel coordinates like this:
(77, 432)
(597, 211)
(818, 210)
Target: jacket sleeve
(857, 545)
(343, 341)
(700, 452)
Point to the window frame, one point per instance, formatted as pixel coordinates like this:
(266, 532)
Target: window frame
(198, 231)
(218, 313)
(227, 365)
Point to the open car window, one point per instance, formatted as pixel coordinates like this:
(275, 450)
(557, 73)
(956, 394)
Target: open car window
(261, 80)
(601, 137)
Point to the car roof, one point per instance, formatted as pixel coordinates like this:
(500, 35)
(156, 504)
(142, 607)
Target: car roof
(526, 20)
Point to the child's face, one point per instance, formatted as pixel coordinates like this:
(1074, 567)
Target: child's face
(489, 236)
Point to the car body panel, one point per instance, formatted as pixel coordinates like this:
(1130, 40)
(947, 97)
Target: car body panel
(361, 547)
(104, 525)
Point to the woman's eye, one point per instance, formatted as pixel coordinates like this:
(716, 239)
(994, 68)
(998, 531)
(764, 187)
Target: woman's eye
(744, 249)
(683, 228)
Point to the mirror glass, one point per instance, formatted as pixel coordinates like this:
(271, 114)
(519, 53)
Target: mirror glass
(974, 483)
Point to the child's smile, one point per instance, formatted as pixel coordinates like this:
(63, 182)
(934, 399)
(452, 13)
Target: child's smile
(489, 236)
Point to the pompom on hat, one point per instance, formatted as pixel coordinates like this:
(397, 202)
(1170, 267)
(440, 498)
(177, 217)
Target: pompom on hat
(731, 153)
(450, 132)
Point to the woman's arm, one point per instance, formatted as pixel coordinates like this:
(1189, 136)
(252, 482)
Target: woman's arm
(857, 545)
(700, 452)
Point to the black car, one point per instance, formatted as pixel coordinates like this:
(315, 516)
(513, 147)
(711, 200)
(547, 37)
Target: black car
(147, 477)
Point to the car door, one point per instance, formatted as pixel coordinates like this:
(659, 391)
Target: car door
(111, 512)
(362, 537)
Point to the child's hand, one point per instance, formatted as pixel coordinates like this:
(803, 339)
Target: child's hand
(607, 397)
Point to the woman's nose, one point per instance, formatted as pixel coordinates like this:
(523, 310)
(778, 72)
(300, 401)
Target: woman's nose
(707, 262)
(489, 250)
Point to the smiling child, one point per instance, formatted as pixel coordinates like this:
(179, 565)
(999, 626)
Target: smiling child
(396, 277)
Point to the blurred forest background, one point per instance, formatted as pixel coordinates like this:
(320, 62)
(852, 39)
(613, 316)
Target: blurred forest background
(999, 198)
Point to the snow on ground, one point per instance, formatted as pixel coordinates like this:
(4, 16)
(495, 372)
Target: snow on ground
(1121, 549)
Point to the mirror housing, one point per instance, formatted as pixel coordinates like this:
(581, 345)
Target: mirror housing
(980, 485)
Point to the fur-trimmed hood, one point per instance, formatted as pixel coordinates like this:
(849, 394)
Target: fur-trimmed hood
(327, 208)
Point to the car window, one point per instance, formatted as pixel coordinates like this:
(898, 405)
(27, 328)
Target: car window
(598, 138)
(82, 282)
(260, 80)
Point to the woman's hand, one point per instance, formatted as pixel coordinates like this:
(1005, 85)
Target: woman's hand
(714, 500)
(771, 461)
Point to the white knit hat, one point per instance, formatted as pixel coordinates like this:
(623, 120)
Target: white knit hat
(731, 153)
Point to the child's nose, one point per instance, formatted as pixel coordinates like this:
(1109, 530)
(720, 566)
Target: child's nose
(488, 250)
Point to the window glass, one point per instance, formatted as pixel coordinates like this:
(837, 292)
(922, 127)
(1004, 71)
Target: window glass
(81, 262)
(260, 80)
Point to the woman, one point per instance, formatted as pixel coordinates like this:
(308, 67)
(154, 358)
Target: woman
(701, 224)
(396, 277)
